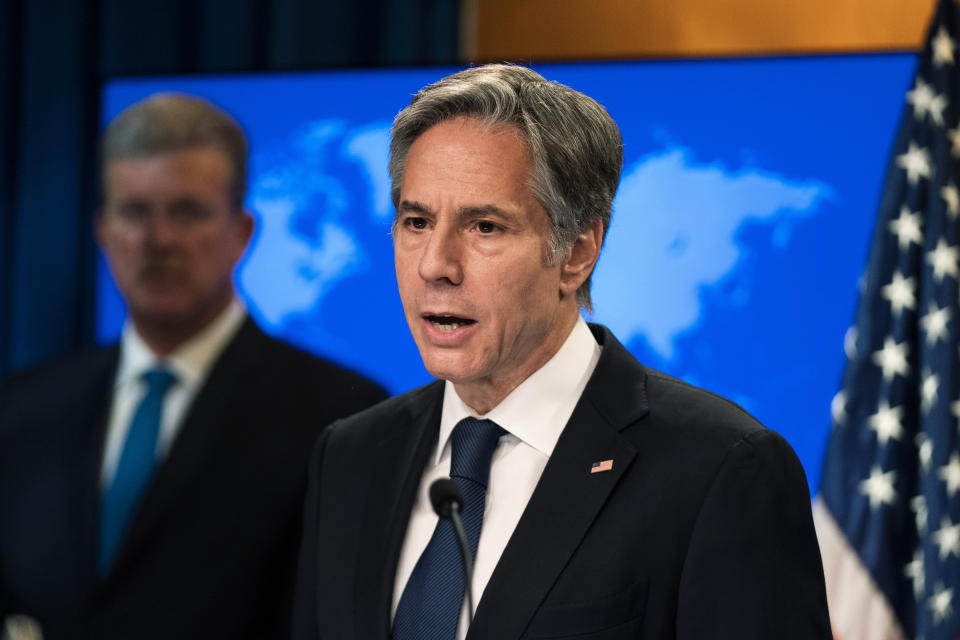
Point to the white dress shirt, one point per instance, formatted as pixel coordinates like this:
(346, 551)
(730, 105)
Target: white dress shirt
(533, 415)
(190, 363)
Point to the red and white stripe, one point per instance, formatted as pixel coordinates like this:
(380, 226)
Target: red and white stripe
(858, 609)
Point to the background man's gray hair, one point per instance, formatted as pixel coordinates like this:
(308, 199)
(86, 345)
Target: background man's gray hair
(575, 146)
(172, 122)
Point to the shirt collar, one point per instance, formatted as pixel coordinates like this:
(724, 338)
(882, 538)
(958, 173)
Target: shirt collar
(538, 409)
(191, 361)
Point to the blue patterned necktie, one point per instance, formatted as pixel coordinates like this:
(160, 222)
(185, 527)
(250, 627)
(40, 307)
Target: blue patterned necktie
(134, 470)
(429, 608)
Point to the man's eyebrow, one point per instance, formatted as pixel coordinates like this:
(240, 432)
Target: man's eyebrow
(485, 210)
(413, 206)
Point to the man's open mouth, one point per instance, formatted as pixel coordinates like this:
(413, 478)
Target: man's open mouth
(448, 322)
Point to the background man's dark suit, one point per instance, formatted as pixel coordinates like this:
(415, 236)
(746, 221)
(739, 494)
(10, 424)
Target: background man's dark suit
(702, 529)
(212, 550)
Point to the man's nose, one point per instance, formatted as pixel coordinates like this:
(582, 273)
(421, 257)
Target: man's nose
(160, 230)
(441, 257)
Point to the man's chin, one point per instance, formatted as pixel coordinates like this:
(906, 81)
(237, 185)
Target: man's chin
(454, 369)
(163, 317)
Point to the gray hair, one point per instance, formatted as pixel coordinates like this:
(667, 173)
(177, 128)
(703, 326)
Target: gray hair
(575, 146)
(171, 122)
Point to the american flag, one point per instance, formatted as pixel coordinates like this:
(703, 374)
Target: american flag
(603, 465)
(888, 512)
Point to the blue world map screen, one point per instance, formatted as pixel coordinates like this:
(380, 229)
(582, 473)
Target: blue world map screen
(739, 232)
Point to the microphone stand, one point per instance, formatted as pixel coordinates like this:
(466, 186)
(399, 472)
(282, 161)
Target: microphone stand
(447, 500)
(465, 554)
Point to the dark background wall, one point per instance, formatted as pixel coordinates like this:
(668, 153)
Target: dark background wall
(55, 54)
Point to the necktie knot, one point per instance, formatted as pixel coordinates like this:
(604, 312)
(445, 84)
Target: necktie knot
(159, 381)
(472, 444)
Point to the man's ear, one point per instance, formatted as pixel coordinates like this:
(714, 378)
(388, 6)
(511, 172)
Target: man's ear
(241, 233)
(246, 226)
(578, 264)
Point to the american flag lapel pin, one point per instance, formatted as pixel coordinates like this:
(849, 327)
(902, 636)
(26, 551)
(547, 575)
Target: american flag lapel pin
(603, 465)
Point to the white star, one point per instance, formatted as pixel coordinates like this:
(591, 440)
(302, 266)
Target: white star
(939, 603)
(934, 323)
(942, 48)
(838, 408)
(928, 390)
(955, 409)
(892, 358)
(937, 106)
(914, 571)
(950, 473)
(919, 507)
(879, 487)
(944, 260)
(951, 196)
(901, 293)
(924, 452)
(907, 228)
(886, 422)
(916, 162)
(925, 101)
(947, 537)
(920, 97)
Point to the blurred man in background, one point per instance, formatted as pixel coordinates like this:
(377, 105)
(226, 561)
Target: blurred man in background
(153, 489)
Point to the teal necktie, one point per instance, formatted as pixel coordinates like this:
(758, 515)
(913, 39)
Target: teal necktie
(134, 470)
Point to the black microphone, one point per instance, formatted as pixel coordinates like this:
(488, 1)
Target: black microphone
(447, 501)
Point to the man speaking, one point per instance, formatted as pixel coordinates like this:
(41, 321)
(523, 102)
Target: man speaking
(601, 499)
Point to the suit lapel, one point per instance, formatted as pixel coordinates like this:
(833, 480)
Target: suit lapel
(568, 497)
(92, 404)
(205, 422)
(400, 459)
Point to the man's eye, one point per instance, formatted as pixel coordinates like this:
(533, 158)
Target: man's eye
(188, 212)
(485, 226)
(132, 213)
(415, 223)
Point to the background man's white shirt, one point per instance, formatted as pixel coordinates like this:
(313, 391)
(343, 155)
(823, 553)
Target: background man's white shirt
(534, 415)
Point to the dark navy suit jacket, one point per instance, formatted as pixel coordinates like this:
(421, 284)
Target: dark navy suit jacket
(702, 529)
(211, 553)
